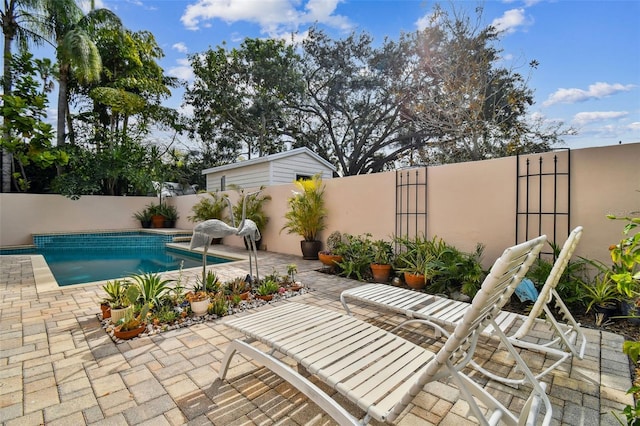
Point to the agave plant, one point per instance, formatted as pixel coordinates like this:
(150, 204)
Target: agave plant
(152, 287)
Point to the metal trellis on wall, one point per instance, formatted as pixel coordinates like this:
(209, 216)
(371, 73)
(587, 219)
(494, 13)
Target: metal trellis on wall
(411, 202)
(543, 191)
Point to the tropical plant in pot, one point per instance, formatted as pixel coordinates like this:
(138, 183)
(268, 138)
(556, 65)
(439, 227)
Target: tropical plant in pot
(198, 298)
(415, 261)
(170, 214)
(127, 294)
(331, 255)
(131, 325)
(267, 288)
(157, 218)
(210, 206)
(602, 296)
(144, 216)
(253, 209)
(114, 290)
(306, 215)
(382, 252)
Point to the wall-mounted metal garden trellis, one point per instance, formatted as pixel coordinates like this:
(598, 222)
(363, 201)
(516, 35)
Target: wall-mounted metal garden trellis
(543, 196)
(411, 202)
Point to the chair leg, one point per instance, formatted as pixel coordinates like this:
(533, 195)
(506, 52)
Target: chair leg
(314, 393)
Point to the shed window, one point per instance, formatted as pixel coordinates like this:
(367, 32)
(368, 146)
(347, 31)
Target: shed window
(303, 177)
(223, 183)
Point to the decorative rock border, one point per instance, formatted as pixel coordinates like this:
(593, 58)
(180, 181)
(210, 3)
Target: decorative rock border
(188, 321)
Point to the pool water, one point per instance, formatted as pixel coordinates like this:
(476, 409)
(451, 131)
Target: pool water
(84, 258)
(75, 267)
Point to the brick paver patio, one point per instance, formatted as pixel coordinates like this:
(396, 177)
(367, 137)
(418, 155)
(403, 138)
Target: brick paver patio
(58, 366)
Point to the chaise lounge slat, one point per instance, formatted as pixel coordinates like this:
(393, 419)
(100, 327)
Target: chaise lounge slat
(379, 371)
(567, 338)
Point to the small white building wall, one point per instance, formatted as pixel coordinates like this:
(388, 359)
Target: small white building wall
(285, 170)
(271, 172)
(245, 177)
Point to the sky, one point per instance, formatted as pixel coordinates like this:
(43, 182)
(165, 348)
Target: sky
(588, 51)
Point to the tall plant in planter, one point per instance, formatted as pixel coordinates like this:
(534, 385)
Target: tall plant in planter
(254, 209)
(306, 215)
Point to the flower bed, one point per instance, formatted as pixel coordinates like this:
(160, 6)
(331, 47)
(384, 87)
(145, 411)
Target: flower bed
(187, 319)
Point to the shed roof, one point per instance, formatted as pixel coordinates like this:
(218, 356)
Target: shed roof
(269, 158)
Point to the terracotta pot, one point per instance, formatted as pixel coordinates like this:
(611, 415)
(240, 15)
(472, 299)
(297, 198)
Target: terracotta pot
(415, 281)
(294, 287)
(265, 297)
(310, 249)
(157, 221)
(118, 314)
(329, 260)
(129, 334)
(106, 310)
(200, 307)
(381, 273)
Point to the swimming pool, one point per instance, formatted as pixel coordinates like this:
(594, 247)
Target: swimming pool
(89, 257)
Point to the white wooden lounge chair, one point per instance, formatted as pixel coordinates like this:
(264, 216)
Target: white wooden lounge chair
(566, 336)
(378, 370)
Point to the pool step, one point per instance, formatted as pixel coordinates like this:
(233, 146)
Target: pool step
(184, 239)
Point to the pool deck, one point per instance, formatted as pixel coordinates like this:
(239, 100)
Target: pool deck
(58, 366)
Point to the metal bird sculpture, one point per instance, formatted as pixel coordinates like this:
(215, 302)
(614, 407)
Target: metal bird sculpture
(250, 232)
(206, 231)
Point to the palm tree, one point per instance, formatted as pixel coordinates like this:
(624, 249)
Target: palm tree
(22, 22)
(76, 52)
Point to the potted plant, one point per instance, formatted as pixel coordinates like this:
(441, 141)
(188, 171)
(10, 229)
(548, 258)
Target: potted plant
(131, 325)
(170, 214)
(331, 255)
(306, 215)
(254, 209)
(114, 291)
(602, 295)
(211, 207)
(382, 260)
(294, 285)
(157, 219)
(267, 288)
(199, 301)
(237, 287)
(123, 303)
(144, 216)
(415, 261)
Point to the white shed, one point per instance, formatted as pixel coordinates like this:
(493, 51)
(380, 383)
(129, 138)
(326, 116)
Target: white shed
(274, 169)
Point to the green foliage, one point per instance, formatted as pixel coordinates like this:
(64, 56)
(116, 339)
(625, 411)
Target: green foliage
(335, 243)
(626, 259)
(152, 288)
(307, 211)
(211, 283)
(253, 206)
(209, 208)
(357, 255)
(382, 252)
(166, 314)
(240, 96)
(114, 290)
(267, 286)
(236, 286)
(130, 321)
(219, 305)
(26, 135)
(602, 292)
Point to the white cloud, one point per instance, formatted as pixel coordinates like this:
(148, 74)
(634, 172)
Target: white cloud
(274, 17)
(595, 91)
(585, 118)
(510, 21)
(180, 47)
(182, 71)
(635, 126)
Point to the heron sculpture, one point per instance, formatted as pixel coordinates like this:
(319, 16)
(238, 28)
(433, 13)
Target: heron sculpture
(250, 232)
(206, 231)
